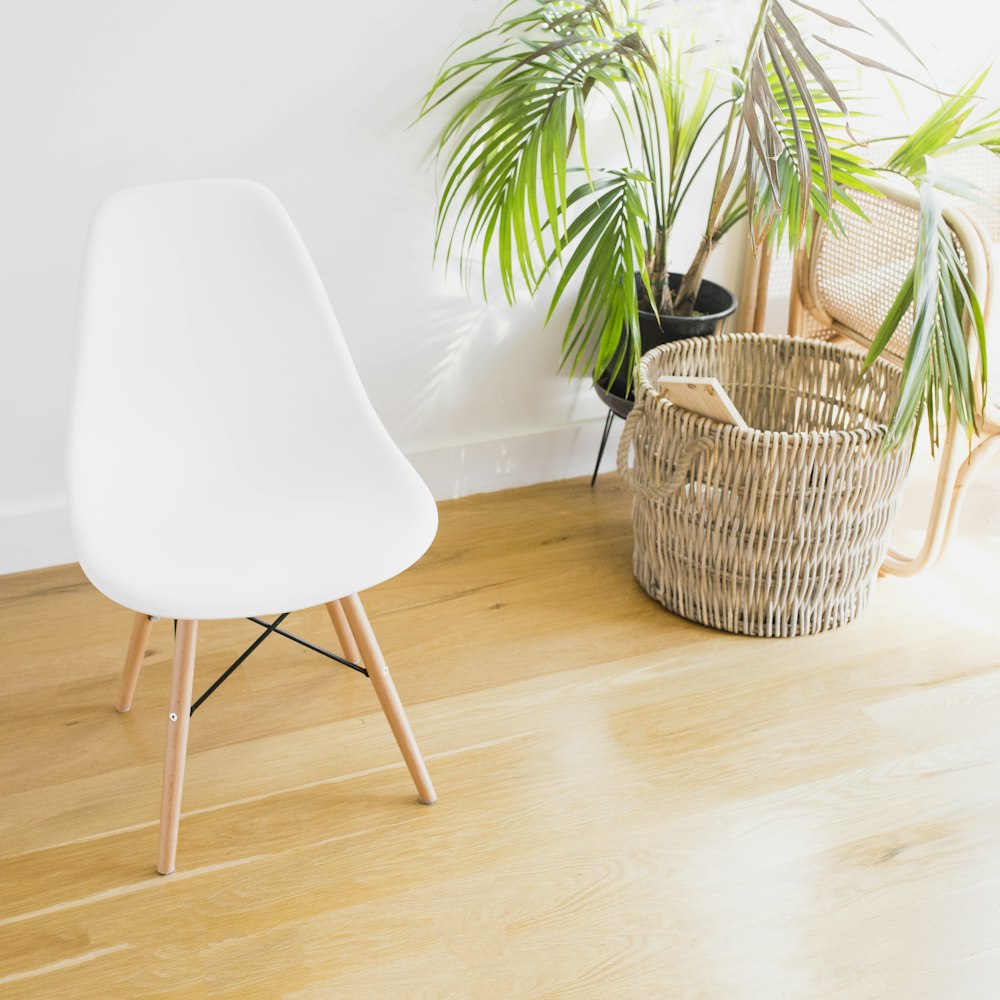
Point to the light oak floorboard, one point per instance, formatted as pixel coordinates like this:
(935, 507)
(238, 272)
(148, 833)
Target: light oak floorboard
(630, 805)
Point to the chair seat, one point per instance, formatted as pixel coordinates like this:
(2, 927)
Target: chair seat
(263, 549)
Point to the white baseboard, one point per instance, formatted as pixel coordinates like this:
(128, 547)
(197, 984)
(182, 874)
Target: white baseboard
(505, 463)
(38, 538)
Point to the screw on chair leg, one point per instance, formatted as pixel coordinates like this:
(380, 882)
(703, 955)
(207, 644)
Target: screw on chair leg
(604, 441)
(141, 627)
(177, 735)
(385, 690)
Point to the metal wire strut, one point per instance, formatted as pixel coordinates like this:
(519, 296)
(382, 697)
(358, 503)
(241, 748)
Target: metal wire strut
(309, 645)
(604, 441)
(269, 629)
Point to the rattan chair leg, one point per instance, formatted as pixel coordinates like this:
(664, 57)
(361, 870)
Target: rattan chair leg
(381, 680)
(177, 734)
(139, 640)
(950, 464)
(984, 452)
(957, 470)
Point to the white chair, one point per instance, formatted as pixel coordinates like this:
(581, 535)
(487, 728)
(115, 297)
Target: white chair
(215, 403)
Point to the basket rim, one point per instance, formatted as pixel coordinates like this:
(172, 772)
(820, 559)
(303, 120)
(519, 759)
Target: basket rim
(709, 424)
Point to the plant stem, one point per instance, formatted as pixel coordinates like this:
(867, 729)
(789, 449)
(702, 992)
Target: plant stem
(687, 294)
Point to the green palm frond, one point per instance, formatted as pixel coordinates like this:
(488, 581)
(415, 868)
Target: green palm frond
(505, 151)
(938, 377)
(811, 165)
(520, 99)
(789, 218)
(777, 141)
(954, 125)
(937, 373)
(605, 247)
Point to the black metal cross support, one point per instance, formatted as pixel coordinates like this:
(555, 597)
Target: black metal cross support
(270, 628)
(304, 642)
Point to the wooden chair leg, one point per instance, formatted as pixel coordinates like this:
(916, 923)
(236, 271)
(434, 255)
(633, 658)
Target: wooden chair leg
(378, 672)
(141, 627)
(177, 734)
(350, 648)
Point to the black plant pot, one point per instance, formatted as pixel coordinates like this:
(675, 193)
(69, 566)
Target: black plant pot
(714, 304)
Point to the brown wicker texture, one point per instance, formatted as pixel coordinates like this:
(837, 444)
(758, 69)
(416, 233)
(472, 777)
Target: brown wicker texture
(856, 276)
(852, 278)
(777, 530)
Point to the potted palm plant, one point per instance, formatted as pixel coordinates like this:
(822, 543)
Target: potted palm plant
(756, 114)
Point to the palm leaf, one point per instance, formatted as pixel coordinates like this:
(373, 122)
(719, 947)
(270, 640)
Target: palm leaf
(607, 249)
(937, 373)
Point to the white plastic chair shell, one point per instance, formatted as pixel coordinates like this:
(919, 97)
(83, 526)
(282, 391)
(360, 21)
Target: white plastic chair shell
(224, 459)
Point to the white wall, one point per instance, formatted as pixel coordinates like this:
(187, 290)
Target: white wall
(313, 99)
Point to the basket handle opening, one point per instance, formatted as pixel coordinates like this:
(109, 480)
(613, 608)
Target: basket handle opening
(682, 470)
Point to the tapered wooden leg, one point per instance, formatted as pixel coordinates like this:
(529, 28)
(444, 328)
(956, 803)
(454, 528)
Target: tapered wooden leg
(347, 644)
(378, 672)
(177, 734)
(141, 627)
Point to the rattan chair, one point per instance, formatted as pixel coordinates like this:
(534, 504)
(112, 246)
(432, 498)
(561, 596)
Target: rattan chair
(844, 284)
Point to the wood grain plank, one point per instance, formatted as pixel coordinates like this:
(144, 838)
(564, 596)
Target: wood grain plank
(630, 805)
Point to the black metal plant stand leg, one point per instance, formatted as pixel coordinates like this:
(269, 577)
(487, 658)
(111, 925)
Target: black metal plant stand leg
(604, 442)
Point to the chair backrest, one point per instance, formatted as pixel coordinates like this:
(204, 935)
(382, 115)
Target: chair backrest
(846, 282)
(208, 360)
(981, 168)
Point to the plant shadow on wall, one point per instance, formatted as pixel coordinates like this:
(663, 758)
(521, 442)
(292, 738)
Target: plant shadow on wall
(476, 382)
(447, 330)
(757, 111)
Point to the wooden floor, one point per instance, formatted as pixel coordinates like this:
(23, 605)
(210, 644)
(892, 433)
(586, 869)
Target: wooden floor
(631, 806)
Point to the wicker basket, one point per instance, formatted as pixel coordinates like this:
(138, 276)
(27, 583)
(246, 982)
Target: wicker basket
(780, 529)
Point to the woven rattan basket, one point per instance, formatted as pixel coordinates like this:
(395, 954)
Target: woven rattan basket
(778, 529)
